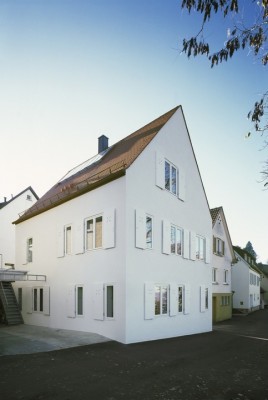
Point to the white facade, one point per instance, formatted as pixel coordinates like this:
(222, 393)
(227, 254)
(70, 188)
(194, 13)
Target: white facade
(133, 288)
(9, 212)
(246, 285)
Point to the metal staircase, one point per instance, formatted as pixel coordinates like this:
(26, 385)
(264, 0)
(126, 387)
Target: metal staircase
(9, 304)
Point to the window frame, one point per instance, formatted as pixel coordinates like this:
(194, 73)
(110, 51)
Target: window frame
(149, 244)
(214, 275)
(226, 277)
(68, 240)
(219, 246)
(180, 293)
(162, 304)
(106, 301)
(29, 249)
(171, 169)
(77, 301)
(176, 243)
(94, 232)
(38, 299)
(199, 240)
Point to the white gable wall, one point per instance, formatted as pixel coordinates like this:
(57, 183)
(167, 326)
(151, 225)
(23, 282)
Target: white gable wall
(145, 268)
(10, 213)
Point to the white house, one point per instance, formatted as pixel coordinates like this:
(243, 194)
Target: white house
(9, 211)
(223, 258)
(124, 241)
(245, 282)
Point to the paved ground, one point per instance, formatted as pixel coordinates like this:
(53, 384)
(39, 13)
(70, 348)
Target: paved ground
(230, 363)
(27, 339)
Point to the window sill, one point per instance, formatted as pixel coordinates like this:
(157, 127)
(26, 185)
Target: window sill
(215, 283)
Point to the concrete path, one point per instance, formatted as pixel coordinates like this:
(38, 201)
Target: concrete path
(28, 339)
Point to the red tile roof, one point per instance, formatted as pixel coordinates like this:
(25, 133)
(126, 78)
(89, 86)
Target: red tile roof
(111, 166)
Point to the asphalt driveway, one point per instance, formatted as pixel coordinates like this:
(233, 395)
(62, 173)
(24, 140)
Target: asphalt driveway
(229, 363)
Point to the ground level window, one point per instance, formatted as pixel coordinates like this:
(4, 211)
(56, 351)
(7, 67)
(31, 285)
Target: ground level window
(225, 300)
(20, 298)
(79, 300)
(38, 299)
(161, 299)
(206, 298)
(109, 301)
(180, 299)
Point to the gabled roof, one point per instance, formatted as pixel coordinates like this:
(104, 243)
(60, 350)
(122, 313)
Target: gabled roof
(242, 252)
(112, 165)
(5, 203)
(216, 213)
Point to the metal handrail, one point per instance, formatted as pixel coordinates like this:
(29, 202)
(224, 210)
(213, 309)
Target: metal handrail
(2, 289)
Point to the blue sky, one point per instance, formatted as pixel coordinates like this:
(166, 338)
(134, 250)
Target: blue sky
(73, 70)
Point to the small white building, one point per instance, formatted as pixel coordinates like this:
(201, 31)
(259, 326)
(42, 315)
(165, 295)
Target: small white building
(124, 240)
(245, 282)
(9, 212)
(223, 258)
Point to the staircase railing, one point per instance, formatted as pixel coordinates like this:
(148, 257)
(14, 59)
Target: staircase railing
(3, 291)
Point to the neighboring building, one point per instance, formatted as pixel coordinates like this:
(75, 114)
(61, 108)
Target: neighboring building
(264, 284)
(124, 241)
(9, 212)
(246, 285)
(223, 258)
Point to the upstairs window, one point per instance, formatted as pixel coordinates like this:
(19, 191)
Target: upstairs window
(30, 250)
(68, 240)
(200, 248)
(175, 240)
(214, 275)
(149, 232)
(218, 246)
(170, 178)
(226, 276)
(94, 233)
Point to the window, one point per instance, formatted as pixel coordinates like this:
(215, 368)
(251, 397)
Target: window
(109, 301)
(218, 246)
(200, 248)
(30, 250)
(29, 197)
(20, 298)
(149, 231)
(206, 298)
(161, 299)
(94, 233)
(38, 299)
(79, 300)
(180, 299)
(225, 300)
(170, 178)
(226, 276)
(214, 275)
(68, 239)
(175, 240)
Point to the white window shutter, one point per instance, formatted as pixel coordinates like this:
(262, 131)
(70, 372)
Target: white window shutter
(202, 298)
(60, 242)
(140, 229)
(187, 299)
(71, 301)
(166, 241)
(46, 300)
(186, 244)
(79, 238)
(181, 185)
(29, 300)
(159, 170)
(173, 299)
(98, 301)
(208, 250)
(109, 228)
(193, 246)
(149, 300)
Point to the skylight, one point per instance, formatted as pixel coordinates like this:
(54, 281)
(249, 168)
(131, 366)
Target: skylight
(84, 165)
